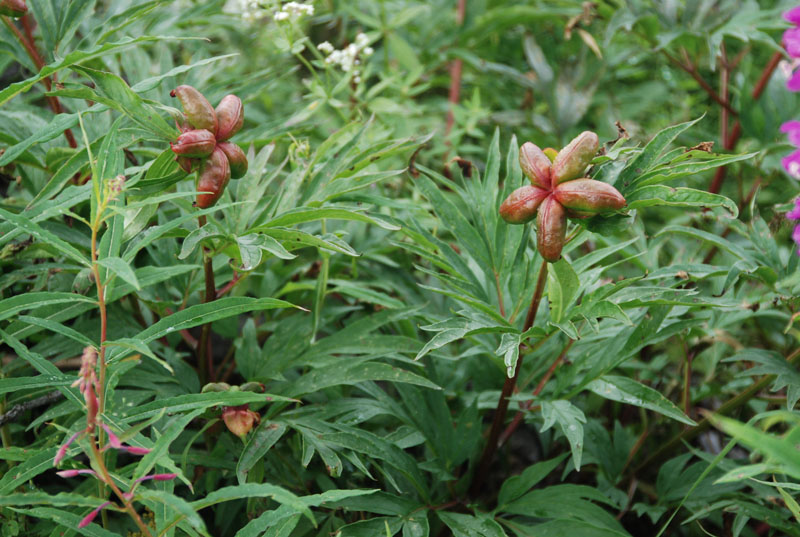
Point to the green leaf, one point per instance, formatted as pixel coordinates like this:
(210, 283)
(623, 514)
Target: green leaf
(470, 526)
(263, 438)
(176, 504)
(344, 373)
(719, 242)
(648, 196)
(120, 96)
(58, 500)
(45, 237)
(562, 285)
(160, 449)
(256, 490)
(570, 419)
(68, 520)
(302, 215)
(626, 390)
(14, 384)
(58, 328)
(73, 58)
(121, 268)
(183, 403)
(516, 486)
(13, 305)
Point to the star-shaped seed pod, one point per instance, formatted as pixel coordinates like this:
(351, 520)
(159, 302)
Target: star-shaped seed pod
(558, 191)
(203, 144)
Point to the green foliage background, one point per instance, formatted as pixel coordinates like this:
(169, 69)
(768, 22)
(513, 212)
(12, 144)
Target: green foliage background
(374, 292)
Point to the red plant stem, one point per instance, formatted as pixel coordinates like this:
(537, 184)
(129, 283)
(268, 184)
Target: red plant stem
(525, 406)
(508, 389)
(455, 74)
(29, 45)
(228, 286)
(730, 142)
(690, 69)
(205, 358)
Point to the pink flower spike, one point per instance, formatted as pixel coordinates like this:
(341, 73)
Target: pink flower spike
(792, 128)
(794, 214)
(74, 473)
(791, 40)
(157, 477)
(62, 451)
(88, 518)
(135, 450)
(793, 15)
(114, 439)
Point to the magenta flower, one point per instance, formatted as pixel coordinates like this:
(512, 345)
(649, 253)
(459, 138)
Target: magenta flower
(157, 477)
(791, 40)
(792, 128)
(793, 15)
(91, 516)
(791, 163)
(794, 214)
(62, 451)
(74, 473)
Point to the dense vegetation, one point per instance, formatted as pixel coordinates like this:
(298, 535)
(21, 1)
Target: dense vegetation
(310, 319)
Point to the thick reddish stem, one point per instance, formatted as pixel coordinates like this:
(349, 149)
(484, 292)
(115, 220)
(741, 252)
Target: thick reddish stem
(508, 389)
(455, 73)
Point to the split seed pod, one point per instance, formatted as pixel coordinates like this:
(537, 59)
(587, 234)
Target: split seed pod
(535, 165)
(236, 158)
(199, 112)
(572, 161)
(230, 117)
(552, 229)
(520, 206)
(214, 176)
(197, 143)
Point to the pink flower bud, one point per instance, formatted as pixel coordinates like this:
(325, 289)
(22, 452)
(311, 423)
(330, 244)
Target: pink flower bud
(13, 8)
(91, 516)
(535, 165)
(157, 477)
(240, 419)
(230, 117)
(237, 160)
(135, 450)
(62, 451)
(199, 112)
(74, 473)
(112, 438)
(197, 143)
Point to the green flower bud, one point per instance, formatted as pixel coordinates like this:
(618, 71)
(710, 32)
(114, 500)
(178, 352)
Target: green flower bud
(572, 161)
(589, 196)
(230, 117)
(216, 387)
(551, 229)
(236, 158)
(199, 112)
(535, 165)
(520, 206)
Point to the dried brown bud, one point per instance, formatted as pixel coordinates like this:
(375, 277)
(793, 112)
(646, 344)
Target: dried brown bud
(240, 419)
(572, 160)
(197, 143)
(230, 117)
(214, 176)
(552, 229)
(236, 158)
(199, 112)
(13, 8)
(588, 196)
(520, 206)
(535, 165)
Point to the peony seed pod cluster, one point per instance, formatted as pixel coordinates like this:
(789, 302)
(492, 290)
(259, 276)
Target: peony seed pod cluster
(558, 191)
(13, 8)
(203, 143)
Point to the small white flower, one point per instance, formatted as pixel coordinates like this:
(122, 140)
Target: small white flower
(368, 51)
(325, 47)
(281, 16)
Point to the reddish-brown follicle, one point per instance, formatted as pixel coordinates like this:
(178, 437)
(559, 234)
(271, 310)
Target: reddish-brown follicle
(199, 112)
(521, 205)
(588, 195)
(230, 117)
(535, 165)
(236, 158)
(197, 143)
(572, 161)
(214, 175)
(551, 231)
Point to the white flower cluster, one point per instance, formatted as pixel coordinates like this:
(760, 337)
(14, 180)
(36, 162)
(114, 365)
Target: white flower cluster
(293, 11)
(254, 9)
(348, 58)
